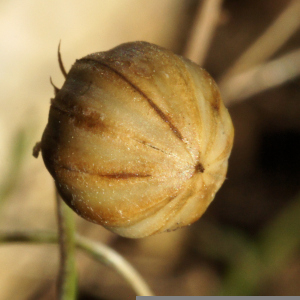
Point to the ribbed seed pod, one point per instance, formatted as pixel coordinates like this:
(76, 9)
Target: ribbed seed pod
(138, 139)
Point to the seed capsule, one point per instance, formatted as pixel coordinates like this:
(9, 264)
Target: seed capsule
(138, 140)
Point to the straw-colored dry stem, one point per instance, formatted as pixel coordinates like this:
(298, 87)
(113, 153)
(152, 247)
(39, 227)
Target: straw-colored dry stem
(269, 42)
(261, 78)
(202, 32)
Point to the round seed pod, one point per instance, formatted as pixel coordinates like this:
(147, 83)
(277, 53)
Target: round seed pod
(138, 140)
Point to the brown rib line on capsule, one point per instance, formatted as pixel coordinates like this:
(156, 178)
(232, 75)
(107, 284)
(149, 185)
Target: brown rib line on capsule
(87, 120)
(161, 114)
(111, 176)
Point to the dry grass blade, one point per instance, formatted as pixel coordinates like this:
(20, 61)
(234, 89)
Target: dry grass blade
(269, 42)
(202, 32)
(262, 77)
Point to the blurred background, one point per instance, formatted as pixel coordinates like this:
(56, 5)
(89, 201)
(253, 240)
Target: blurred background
(248, 241)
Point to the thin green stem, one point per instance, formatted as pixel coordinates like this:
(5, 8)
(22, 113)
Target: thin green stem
(96, 250)
(113, 259)
(67, 279)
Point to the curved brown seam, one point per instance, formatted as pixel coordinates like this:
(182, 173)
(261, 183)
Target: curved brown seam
(177, 209)
(151, 210)
(111, 176)
(161, 114)
(214, 124)
(160, 205)
(223, 154)
(146, 144)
